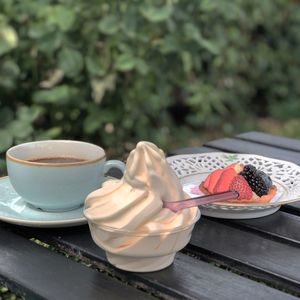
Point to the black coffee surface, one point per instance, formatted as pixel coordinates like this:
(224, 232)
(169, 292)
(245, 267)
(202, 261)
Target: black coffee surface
(57, 160)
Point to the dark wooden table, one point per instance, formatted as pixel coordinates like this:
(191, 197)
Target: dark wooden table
(240, 259)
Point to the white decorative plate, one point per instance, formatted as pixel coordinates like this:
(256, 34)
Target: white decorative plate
(192, 169)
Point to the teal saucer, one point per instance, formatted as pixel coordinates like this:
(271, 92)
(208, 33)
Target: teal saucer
(14, 210)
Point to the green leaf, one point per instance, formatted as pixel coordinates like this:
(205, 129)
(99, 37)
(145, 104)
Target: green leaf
(20, 129)
(192, 32)
(6, 115)
(208, 5)
(61, 16)
(168, 44)
(130, 23)
(3, 18)
(8, 39)
(58, 95)
(92, 123)
(231, 157)
(6, 140)
(208, 45)
(29, 114)
(9, 73)
(50, 42)
(96, 118)
(125, 62)
(10, 69)
(187, 61)
(51, 133)
(157, 14)
(3, 289)
(38, 30)
(94, 66)
(70, 61)
(141, 66)
(109, 24)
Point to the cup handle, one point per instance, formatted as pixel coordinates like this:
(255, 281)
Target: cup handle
(110, 164)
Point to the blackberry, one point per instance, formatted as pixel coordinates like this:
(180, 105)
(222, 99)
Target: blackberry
(264, 182)
(248, 172)
(259, 181)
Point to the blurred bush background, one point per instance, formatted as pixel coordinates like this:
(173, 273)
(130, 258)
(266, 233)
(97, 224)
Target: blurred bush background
(173, 72)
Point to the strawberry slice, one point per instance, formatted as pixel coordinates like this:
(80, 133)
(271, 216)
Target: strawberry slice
(240, 184)
(207, 181)
(214, 177)
(225, 180)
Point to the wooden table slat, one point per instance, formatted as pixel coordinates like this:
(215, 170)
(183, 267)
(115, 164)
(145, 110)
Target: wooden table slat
(280, 226)
(187, 278)
(270, 139)
(272, 260)
(43, 274)
(191, 150)
(242, 146)
(293, 208)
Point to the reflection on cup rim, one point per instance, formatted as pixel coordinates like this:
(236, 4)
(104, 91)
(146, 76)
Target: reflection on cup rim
(32, 163)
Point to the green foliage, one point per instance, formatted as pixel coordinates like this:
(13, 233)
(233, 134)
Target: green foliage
(6, 294)
(114, 72)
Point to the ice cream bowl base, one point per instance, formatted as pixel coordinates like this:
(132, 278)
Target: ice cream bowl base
(142, 251)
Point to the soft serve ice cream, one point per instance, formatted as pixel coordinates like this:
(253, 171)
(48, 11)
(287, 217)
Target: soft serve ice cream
(127, 218)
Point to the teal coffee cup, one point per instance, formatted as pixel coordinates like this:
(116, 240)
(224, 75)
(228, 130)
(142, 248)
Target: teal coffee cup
(57, 175)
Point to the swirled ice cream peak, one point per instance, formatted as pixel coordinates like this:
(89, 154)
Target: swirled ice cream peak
(147, 168)
(135, 201)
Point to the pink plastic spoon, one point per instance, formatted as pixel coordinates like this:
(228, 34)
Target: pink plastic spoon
(191, 202)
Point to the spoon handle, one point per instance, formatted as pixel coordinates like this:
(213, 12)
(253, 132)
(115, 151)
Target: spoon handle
(191, 202)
